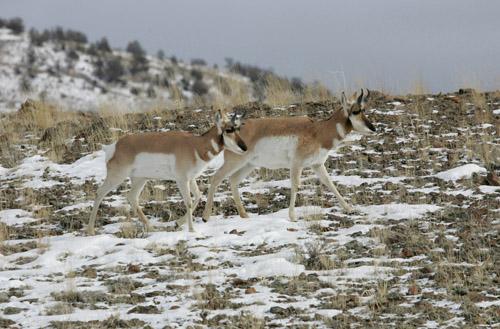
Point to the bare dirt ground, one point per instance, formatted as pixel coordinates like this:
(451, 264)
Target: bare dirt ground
(421, 251)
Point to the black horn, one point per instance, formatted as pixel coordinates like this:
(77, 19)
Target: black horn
(366, 95)
(360, 97)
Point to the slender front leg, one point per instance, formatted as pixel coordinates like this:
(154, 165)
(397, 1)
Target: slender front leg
(235, 179)
(230, 166)
(322, 174)
(186, 195)
(195, 191)
(215, 181)
(295, 173)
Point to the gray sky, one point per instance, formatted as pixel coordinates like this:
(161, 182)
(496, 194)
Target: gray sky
(385, 44)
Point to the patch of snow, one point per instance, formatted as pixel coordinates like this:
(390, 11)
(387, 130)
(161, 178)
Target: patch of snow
(465, 171)
(486, 189)
(270, 267)
(329, 313)
(398, 211)
(14, 217)
(489, 303)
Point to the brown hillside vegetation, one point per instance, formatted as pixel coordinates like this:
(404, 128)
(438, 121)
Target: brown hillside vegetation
(440, 267)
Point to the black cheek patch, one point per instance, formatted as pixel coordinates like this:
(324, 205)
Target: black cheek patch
(369, 125)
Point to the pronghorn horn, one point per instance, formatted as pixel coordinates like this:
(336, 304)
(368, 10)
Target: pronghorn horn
(360, 97)
(365, 96)
(234, 117)
(243, 114)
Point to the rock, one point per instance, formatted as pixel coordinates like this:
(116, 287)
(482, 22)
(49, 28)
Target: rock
(250, 290)
(12, 310)
(4, 297)
(6, 323)
(281, 311)
(89, 272)
(413, 290)
(492, 179)
(145, 309)
(133, 268)
(235, 231)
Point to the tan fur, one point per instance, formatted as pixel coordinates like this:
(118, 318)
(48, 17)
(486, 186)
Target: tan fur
(311, 134)
(313, 139)
(183, 144)
(187, 149)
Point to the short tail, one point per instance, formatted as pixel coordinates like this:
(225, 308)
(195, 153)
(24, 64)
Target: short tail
(109, 151)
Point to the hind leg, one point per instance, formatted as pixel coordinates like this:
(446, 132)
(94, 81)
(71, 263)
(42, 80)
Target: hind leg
(186, 195)
(295, 172)
(195, 191)
(235, 179)
(110, 183)
(133, 198)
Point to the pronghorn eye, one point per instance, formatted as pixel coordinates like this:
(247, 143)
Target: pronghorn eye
(230, 130)
(356, 112)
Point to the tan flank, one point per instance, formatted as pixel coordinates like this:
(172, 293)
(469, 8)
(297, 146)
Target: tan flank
(293, 142)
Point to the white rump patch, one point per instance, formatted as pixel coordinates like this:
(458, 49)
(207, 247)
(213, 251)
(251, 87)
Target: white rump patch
(109, 151)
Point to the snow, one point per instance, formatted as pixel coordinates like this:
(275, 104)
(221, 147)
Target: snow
(271, 267)
(75, 84)
(465, 171)
(330, 313)
(398, 211)
(486, 189)
(487, 304)
(35, 167)
(14, 217)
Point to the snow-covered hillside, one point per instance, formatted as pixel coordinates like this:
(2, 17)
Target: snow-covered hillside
(65, 74)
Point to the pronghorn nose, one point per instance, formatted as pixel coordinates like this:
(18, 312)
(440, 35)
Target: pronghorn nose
(370, 126)
(242, 146)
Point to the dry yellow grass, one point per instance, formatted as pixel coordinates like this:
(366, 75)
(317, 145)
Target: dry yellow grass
(278, 92)
(316, 92)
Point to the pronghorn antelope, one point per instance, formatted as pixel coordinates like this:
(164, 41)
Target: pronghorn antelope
(172, 155)
(295, 143)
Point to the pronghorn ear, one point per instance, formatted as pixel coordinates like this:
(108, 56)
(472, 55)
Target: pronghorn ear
(354, 97)
(366, 94)
(345, 104)
(218, 121)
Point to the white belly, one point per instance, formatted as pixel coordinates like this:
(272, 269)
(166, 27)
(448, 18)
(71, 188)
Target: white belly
(280, 152)
(274, 152)
(154, 166)
(316, 158)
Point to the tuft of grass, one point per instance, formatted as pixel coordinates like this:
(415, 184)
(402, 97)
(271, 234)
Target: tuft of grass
(59, 309)
(130, 230)
(212, 299)
(4, 232)
(314, 256)
(278, 92)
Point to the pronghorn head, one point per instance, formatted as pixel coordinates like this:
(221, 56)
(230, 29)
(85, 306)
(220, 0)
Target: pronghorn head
(355, 110)
(229, 130)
